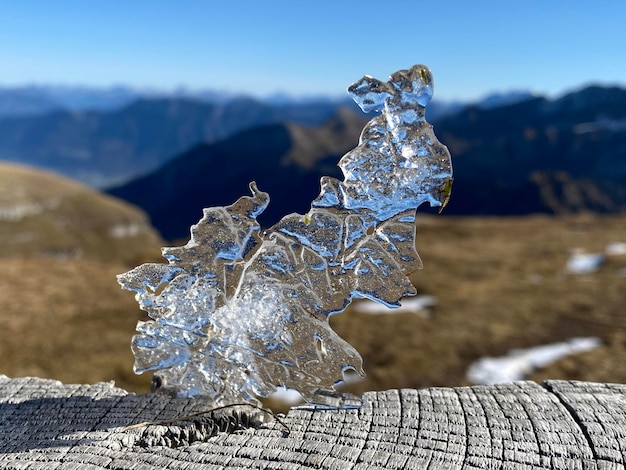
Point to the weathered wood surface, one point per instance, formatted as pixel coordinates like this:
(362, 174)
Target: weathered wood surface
(45, 424)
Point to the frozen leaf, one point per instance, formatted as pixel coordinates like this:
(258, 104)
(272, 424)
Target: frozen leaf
(235, 314)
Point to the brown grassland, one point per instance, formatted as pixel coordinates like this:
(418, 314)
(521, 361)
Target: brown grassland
(500, 283)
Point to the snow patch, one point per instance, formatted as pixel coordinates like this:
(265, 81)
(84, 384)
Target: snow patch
(584, 263)
(615, 249)
(127, 230)
(21, 211)
(520, 362)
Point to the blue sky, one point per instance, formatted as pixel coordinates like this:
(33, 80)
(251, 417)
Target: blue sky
(320, 47)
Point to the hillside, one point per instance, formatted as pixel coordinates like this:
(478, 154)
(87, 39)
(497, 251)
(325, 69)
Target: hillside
(61, 245)
(46, 215)
(67, 320)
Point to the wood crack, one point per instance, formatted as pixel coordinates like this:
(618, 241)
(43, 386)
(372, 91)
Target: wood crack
(575, 416)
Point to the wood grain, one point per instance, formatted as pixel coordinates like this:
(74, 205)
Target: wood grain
(560, 424)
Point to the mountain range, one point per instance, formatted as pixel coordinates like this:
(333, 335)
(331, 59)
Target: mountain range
(561, 156)
(103, 148)
(513, 154)
(32, 100)
(104, 137)
(532, 156)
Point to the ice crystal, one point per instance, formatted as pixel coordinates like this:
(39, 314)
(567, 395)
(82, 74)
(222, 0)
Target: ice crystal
(237, 313)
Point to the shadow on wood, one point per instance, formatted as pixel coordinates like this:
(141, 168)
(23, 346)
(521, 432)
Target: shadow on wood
(560, 424)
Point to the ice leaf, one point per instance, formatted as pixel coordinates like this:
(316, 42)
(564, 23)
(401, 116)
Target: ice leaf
(236, 314)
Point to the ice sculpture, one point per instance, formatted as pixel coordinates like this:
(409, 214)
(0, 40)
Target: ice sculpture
(237, 313)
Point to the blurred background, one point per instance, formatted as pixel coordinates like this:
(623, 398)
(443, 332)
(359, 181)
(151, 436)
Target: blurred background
(120, 121)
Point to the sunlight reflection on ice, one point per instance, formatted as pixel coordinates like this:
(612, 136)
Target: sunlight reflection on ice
(420, 304)
(240, 311)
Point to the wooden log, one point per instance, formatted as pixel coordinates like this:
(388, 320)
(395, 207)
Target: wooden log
(560, 424)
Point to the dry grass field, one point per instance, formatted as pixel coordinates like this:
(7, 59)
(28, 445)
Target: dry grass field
(500, 283)
(45, 215)
(67, 320)
(61, 244)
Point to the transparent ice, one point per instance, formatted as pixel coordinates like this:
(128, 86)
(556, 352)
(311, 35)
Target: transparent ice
(237, 313)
